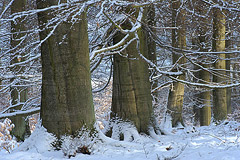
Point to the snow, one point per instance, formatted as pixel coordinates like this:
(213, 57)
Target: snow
(215, 142)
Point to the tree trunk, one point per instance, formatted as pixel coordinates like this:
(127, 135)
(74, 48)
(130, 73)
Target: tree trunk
(205, 95)
(131, 98)
(18, 94)
(219, 95)
(67, 103)
(228, 45)
(151, 45)
(176, 93)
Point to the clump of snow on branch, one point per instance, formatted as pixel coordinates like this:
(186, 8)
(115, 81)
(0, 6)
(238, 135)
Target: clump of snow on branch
(6, 140)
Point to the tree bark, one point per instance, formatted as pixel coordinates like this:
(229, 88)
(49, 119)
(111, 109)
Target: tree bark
(228, 45)
(205, 95)
(18, 94)
(219, 95)
(176, 93)
(151, 45)
(131, 98)
(67, 103)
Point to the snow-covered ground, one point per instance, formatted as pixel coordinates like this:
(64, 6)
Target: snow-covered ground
(219, 142)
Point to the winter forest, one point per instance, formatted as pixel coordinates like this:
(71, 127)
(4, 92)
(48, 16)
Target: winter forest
(112, 79)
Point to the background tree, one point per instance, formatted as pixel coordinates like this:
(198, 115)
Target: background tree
(219, 95)
(150, 23)
(203, 99)
(229, 45)
(176, 93)
(18, 94)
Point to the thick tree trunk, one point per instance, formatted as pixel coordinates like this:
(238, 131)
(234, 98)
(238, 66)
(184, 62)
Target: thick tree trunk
(219, 95)
(131, 98)
(176, 93)
(67, 103)
(18, 94)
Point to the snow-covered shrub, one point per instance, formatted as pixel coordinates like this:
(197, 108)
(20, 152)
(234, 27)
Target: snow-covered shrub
(40, 140)
(82, 143)
(235, 116)
(69, 146)
(122, 130)
(6, 140)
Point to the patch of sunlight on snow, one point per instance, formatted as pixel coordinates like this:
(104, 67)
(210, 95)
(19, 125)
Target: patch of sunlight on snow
(233, 139)
(196, 144)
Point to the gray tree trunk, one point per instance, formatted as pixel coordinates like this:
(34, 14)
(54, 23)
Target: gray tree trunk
(219, 95)
(18, 94)
(67, 103)
(229, 45)
(176, 93)
(204, 97)
(131, 98)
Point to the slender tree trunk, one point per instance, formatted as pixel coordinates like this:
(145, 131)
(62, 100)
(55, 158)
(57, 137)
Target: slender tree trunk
(219, 95)
(229, 90)
(67, 103)
(228, 46)
(196, 95)
(151, 45)
(18, 94)
(202, 108)
(176, 93)
(205, 95)
(131, 98)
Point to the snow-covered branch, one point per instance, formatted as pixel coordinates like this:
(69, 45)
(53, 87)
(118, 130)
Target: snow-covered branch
(20, 113)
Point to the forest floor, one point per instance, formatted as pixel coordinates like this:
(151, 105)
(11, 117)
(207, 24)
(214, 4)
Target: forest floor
(215, 142)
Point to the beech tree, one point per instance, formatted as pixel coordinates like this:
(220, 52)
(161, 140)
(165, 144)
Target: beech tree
(219, 95)
(203, 102)
(131, 98)
(176, 92)
(18, 94)
(67, 103)
(229, 45)
(116, 29)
